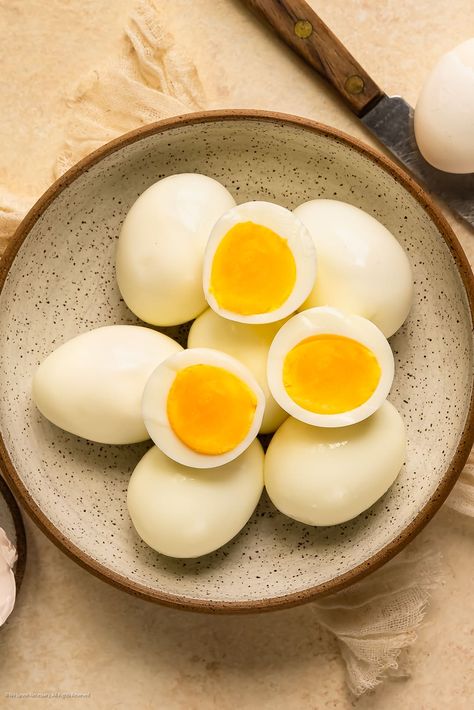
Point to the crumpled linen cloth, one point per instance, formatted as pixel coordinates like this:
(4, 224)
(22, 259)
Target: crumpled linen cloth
(375, 620)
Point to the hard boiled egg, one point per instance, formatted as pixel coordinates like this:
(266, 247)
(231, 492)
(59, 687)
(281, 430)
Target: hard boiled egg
(444, 113)
(161, 247)
(182, 512)
(327, 476)
(259, 263)
(92, 385)
(202, 407)
(362, 268)
(249, 344)
(329, 368)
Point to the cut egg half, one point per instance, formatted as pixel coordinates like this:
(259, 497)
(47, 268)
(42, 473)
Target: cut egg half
(259, 263)
(249, 344)
(329, 368)
(203, 408)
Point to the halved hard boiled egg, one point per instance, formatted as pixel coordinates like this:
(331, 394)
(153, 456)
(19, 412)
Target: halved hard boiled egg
(329, 368)
(202, 408)
(259, 263)
(328, 476)
(247, 342)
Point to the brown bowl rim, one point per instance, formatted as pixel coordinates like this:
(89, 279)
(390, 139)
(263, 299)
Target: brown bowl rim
(425, 514)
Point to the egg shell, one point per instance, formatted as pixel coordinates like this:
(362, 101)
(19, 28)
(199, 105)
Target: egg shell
(444, 113)
(184, 512)
(328, 476)
(92, 385)
(161, 247)
(329, 320)
(286, 225)
(248, 343)
(362, 268)
(154, 406)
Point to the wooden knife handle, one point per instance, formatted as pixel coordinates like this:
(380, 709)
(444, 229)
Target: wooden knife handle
(300, 28)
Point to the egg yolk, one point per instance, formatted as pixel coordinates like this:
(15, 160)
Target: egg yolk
(330, 374)
(210, 409)
(253, 270)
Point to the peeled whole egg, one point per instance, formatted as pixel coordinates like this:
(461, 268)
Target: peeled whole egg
(329, 368)
(328, 476)
(92, 385)
(362, 268)
(248, 343)
(183, 512)
(161, 247)
(202, 407)
(444, 113)
(259, 263)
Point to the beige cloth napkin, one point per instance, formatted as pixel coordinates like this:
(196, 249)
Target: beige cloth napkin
(376, 619)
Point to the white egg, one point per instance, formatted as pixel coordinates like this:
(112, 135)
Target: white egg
(161, 247)
(182, 512)
(328, 476)
(329, 368)
(444, 113)
(92, 385)
(202, 407)
(362, 268)
(249, 344)
(259, 263)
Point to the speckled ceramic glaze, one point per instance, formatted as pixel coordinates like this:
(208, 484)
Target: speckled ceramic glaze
(61, 282)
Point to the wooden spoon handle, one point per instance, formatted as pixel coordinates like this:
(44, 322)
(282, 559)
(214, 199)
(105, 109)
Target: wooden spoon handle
(300, 28)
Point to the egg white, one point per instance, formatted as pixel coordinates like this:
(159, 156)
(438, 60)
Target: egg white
(325, 320)
(444, 112)
(92, 385)
(161, 247)
(183, 512)
(362, 268)
(328, 476)
(154, 406)
(286, 225)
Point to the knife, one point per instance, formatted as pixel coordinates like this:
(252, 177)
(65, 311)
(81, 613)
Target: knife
(389, 118)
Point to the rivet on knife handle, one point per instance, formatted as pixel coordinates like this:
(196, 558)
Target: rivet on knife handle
(301, 28)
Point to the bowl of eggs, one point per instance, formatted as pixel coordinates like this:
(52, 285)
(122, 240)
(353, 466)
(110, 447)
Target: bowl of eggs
(237, 361)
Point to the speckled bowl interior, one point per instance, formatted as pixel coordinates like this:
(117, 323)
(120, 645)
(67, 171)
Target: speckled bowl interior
(62, 282)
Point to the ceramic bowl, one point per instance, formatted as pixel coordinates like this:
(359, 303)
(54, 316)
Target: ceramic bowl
(58, 280)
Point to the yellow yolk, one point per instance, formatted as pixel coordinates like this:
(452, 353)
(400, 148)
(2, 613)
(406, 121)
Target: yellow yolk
(210, 409)
(330, 374)
(253, 270)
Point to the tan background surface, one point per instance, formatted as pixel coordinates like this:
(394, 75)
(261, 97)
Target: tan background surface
(73, 633)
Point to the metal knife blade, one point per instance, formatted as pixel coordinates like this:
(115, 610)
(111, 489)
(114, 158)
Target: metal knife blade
(391, 122)
(389, 118)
